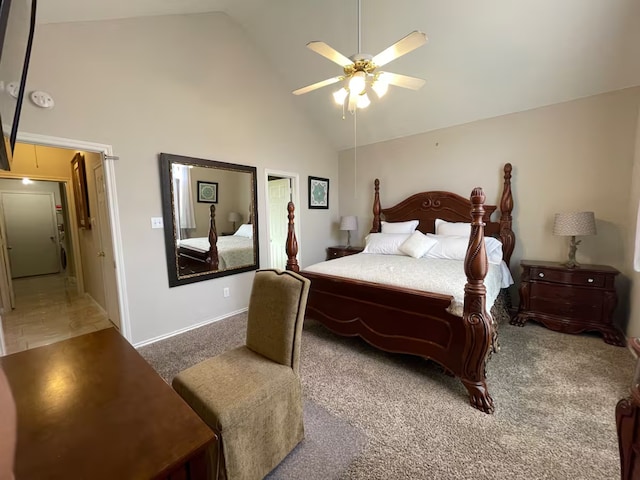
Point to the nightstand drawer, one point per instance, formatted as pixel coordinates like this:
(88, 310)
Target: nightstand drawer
(570, 311)
(337, 252)
(551, 293)
(566, 277)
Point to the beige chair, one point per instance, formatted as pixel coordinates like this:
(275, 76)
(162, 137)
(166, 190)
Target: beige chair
(251, 396)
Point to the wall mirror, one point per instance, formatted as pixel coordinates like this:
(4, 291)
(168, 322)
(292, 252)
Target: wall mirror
(210, 218)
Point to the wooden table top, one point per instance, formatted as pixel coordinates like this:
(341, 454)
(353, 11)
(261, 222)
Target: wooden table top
(91, 407)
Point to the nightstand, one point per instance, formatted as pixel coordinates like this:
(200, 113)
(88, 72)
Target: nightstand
(342, 251)
(569, 300)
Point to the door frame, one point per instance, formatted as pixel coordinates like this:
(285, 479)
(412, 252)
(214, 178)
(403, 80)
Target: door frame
(295, 198)
(112, 209)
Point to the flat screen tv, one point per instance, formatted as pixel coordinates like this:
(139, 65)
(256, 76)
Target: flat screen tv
(17, 25)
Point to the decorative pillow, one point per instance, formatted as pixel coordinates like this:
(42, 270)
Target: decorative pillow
(400, 227)
(245, 230)
(461, 229)
(454, 247)
(384, 243)
(417, 245)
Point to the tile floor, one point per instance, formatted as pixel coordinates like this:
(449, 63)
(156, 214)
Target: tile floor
(48, 309)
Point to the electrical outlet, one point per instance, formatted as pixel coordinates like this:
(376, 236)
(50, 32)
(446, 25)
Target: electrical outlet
(156, 222)
(225, 292)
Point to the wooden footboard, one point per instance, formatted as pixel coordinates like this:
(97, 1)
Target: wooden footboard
(410, 321)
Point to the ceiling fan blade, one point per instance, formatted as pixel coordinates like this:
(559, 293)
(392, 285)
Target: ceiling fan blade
(403, 46)
(330, 53)
(403, 81)
(317, 85)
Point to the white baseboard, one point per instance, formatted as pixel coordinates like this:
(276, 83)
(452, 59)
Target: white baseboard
(186, 329)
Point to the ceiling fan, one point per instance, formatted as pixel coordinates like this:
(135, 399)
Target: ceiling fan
(361, 71)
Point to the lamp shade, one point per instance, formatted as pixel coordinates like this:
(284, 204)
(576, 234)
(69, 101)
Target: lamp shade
(574, 224)
(234, 217)
(349, 223)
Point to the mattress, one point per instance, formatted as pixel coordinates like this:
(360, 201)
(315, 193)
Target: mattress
(427, 274)
(233, 251)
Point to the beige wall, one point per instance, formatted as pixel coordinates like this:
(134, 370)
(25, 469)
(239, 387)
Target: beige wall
(191, 85)
(634, 316)
(566, 157)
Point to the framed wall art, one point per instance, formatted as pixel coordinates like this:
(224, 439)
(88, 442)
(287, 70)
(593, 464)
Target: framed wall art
(207, 192)
(318, 192)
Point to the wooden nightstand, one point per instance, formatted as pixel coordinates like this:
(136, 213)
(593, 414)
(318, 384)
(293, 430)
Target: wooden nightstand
(570, 300)
(342, 251)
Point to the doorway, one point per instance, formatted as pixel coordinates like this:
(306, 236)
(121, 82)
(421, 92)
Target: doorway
(90, 254)
(281, 188)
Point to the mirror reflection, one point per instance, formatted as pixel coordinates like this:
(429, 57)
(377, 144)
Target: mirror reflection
(209, 218)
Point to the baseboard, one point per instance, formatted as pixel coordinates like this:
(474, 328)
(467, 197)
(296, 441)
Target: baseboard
(186, 329)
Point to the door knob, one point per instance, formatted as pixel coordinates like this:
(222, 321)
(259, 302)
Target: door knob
(101, 254)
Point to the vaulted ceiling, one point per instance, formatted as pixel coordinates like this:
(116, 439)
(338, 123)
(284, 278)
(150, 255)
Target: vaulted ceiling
(483, 59)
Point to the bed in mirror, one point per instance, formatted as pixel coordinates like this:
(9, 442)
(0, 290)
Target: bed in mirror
(210, 218)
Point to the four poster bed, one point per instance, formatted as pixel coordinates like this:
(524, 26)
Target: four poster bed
(412, 320)
(213, 252)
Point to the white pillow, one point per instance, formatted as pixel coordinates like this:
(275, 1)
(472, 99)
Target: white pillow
(245, 230)
(384, 243)
(400, 227)
(417, 245)
(461, 229)
(454, 247)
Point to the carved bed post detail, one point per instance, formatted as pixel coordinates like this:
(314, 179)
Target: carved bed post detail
(213, 259)
(627, 413)
(477, 322)
(292, 242)
(375, 228)
(506, 207)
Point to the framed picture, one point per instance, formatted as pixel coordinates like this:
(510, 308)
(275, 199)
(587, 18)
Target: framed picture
(207, 192)
(318, 192)
(80, 195)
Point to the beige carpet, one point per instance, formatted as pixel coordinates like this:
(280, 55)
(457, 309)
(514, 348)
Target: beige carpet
(555, 399)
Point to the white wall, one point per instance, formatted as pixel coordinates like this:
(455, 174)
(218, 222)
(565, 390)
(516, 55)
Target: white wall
(634, 316)
(566, 157)
(190, 85)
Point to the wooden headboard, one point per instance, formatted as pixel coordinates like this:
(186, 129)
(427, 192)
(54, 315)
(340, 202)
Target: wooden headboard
(451, 207)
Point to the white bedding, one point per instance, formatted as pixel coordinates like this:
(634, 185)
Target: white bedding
(233, 251)
(427, 274)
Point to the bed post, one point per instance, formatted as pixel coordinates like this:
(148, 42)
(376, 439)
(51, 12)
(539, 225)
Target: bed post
(476, 320)
(375, 228)
(507, 236)
(292, 242)
(212, 259)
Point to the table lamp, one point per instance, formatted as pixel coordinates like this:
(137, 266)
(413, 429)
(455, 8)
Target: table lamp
(349, 223)
(233, 218)
(573, 224)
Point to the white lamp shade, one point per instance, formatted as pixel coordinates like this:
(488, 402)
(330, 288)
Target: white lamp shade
(234, 217)
(576, 223)
(349, 223)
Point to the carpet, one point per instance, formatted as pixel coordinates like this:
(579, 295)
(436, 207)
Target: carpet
(374, 415)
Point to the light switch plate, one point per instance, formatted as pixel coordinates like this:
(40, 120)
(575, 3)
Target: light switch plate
(156, 222)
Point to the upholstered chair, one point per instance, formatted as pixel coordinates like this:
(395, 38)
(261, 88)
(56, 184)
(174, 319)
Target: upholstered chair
(251, 395)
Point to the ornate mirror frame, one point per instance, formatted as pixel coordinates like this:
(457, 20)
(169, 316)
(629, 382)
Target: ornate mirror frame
(188, 264)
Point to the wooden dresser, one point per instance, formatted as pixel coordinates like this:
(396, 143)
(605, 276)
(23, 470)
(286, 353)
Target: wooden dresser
(569, 300)
(342, 251)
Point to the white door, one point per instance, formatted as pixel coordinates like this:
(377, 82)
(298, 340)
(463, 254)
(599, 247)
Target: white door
(279, 197)
(7, 295)
(32, 234)
(108, 264)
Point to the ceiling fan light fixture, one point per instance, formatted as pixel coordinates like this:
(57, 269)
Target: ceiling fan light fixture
(357, 82)
(380, 87)
(363, 101)
(340, 95)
